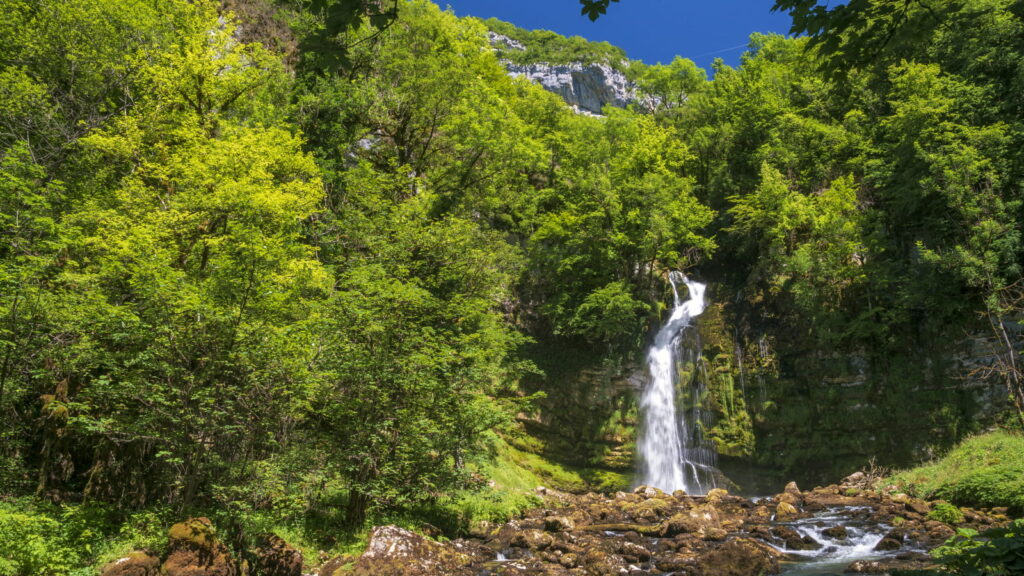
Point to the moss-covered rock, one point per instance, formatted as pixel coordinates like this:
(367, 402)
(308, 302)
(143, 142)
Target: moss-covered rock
(195, 550)
(274, 557)
(394, 551)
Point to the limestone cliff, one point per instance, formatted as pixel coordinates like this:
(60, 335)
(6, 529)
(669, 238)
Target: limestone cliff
(587, 87)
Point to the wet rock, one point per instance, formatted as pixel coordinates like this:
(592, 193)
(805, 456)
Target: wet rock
(653, 509)
(867, 567)
(888, 545)
(274, 557)
(633, 553)
(836, 532)
(675, 563)
(938, 532)
(739, 557)
(918, 506)
(788, 498)
(531, 540)
(792, 488)
(786, 511)
(793, 540)
(716, 534)
(761, 514)
(394, 551)
(716, 495)
(597, 562)
(889, 565)
(559, 524)
(137, 563)
(648, 491)
(194, 550)
(697, 521)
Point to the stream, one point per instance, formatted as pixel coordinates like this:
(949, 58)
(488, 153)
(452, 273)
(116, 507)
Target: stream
(837, 551)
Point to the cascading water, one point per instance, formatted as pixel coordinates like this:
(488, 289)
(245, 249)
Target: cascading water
(674, 454)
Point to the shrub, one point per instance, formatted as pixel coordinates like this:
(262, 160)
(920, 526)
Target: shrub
(946, 512)
(996, 552)
(31, 545)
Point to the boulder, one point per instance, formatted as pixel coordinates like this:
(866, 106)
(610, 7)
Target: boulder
(274, 557)
(888, 544)
(786, 511)
(918, 506)
(789, 498)
(559, 524)
(633, 553)
(137, 563)
(696, 521)
(597, 562)
(394, 551)
(857, 479)
(793, 540)
(531, 539)
(716, 495)
(739, 557)
(792, 488)
(194, 550)
(836, 532)
(648, 491)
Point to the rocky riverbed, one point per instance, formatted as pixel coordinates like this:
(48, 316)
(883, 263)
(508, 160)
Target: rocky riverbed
(642, 532)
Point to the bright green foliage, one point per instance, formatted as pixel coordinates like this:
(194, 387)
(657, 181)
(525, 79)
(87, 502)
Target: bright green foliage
(293, 295)
(549, 47)
(622, 212)
(995, 552)
(671, 84)
(810, 247)
(986, 470)
(946, 512)
(32, 545)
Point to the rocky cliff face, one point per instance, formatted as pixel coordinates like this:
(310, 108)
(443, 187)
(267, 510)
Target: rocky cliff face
(588, 88)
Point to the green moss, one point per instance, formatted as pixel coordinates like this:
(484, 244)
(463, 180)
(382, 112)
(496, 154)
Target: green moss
(982, 471)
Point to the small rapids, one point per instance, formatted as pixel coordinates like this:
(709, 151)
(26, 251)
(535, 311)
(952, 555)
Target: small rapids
(835, 553)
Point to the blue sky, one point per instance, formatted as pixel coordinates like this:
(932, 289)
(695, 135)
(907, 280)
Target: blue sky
(648, 30)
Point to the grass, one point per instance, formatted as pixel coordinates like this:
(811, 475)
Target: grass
(982, 471)
(77, 539)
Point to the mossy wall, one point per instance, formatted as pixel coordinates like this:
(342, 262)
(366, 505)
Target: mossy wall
(787, 412)
(588, 417)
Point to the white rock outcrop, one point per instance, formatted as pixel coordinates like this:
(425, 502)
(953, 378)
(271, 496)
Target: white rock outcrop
(586, 87)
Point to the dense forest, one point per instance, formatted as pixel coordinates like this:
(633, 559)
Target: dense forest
(309, 276)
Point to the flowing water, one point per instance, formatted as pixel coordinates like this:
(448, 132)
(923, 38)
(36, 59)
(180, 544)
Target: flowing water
(836, 553)
(674, 453)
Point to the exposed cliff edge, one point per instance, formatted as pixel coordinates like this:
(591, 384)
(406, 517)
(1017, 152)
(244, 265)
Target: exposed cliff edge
(587, 87)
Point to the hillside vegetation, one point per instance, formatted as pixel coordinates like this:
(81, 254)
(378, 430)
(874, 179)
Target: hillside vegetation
(305, 282)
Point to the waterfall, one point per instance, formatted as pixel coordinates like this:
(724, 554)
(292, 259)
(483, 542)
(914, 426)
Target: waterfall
(674, 453)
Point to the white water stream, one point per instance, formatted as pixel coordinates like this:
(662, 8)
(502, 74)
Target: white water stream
(836, 553)
(673, 454)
